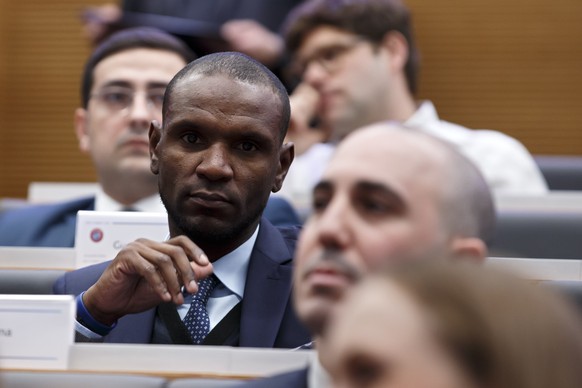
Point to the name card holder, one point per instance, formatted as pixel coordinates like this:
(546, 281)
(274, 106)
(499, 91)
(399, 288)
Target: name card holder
(100, 236)
(36, 331)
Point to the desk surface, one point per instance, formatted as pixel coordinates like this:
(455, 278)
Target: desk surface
(37, 258)
(179, 361)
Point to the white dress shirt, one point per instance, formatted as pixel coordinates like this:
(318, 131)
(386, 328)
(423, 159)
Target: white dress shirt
(317, 376)
(505, 163)
(231, 270)
(104, 202)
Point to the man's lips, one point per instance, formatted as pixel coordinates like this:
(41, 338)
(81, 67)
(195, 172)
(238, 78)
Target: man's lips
(209, 199)
(327, 98)
(136, 143)
(328, 277)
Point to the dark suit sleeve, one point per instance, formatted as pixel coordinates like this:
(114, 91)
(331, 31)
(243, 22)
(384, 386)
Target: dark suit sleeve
(51, 225)
(280, 212)
(75, 282)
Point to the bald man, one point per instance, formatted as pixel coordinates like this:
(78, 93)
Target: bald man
(388, 194)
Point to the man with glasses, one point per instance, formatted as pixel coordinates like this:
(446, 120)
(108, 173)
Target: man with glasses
(122, 91)
(358, 64)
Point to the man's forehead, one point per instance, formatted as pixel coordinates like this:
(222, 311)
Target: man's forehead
(139, 65)
(189, 85)
(385, 143)
(386, 158)
(320, 37)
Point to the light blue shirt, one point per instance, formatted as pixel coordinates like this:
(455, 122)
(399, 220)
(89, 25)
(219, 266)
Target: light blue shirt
(231, 270)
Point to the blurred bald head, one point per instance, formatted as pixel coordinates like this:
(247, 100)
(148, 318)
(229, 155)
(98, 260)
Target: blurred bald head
(387, 195)
(465, 200)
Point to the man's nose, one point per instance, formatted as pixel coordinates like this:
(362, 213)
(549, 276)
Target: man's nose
(141, 113)
(333, 226)
(314, 74)
(215, 164)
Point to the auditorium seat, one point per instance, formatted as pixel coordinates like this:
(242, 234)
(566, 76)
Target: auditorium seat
(572, 290)
(538, 234)
(204, 383)
(561, 172)
(13, 379)
(28, 281)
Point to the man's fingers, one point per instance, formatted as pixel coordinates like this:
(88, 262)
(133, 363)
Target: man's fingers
(191, 262)
(158, 271)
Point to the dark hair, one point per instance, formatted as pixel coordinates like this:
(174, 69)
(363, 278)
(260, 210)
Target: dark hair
(371, 19)
(239, 67)
(132, 38)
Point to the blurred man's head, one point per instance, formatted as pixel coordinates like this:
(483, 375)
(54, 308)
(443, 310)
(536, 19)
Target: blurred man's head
(122, 91)
(359, 55)
(388, 194)
(440, 324)
(219, 152)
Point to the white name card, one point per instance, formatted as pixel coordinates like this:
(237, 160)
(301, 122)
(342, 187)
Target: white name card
(36, 331)
(100, 235)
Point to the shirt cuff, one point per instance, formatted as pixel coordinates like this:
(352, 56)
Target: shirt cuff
(87, 325)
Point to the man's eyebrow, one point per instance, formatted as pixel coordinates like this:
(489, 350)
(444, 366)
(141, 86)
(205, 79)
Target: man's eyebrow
(381, 189)
(156, 85)
(129, 85)
(323, 185)
(115, 82)
(184, 122)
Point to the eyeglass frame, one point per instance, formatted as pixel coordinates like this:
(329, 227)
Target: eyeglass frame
(329, 65)
(152, 96)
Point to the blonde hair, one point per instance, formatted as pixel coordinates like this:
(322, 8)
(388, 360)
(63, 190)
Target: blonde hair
(504, 331)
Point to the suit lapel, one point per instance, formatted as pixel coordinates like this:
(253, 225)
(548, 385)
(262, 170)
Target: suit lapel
(267, 289)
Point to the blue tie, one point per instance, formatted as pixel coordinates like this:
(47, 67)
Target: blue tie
(196, 319)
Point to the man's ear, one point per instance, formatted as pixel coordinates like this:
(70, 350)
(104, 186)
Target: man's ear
(286, 155)
(81, 130)
(469, 248)
(155, 134)
(397, 47)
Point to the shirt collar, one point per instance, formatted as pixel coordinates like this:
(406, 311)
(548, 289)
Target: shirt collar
(104, 202)
(231, 269)
(426, 113)
(317, 377)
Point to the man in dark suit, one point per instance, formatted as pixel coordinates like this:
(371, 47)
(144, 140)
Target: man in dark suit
(122, 92)
(53, 225)
(387, 195)
(217, 155)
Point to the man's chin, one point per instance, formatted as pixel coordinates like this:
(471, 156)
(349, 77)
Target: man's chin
(316, 315)
(136, 164)
(205, 228)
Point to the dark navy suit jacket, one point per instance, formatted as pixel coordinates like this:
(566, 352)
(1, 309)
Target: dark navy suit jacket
(267, 316)
(293, 379)
(53, 225)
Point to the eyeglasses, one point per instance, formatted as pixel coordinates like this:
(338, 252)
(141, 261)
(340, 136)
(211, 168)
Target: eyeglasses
(120, 99)
(329, 58)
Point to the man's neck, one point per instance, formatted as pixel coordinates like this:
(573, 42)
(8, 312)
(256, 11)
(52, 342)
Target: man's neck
(401, 106)
(213, 250)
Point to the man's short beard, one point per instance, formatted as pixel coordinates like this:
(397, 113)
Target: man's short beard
(204, 236)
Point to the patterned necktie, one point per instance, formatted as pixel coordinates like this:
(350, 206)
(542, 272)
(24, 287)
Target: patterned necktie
(196, 319)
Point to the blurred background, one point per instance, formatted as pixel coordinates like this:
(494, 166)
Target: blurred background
(510, 65)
